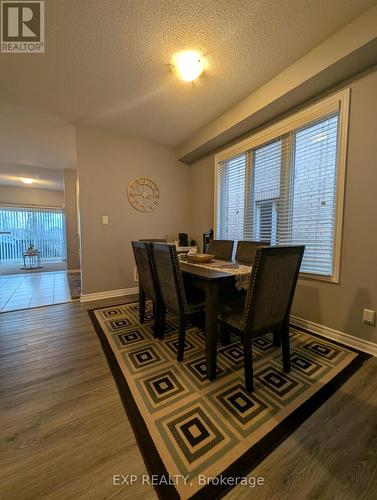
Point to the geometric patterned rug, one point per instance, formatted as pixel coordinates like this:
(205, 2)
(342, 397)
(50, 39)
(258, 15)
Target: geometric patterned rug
(203, 437)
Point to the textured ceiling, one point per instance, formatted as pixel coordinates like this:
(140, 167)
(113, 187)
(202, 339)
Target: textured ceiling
(107, 61)
(44, 178)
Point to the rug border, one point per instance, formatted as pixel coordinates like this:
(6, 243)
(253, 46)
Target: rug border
(252, 457)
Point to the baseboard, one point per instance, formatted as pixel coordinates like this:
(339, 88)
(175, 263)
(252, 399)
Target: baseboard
(344, 338)
(108, 294)
(73, 270)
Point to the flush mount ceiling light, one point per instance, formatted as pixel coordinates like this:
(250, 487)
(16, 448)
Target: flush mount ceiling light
(188, 65)
(26, 181)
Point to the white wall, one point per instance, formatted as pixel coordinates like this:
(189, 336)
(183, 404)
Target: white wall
(106, 163)
(28, 137)
(31, 196)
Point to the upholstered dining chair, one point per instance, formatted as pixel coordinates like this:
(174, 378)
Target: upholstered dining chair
(246, 251)
(221, 249)
(267, 304)
(175, 297)
(148, 284)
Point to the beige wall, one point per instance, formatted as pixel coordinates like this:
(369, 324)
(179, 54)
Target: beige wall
(106, 163)
(337, 306)
(71, 226)
(202, 198)
(31, 196)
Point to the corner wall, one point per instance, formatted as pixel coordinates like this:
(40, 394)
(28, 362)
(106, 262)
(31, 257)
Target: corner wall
(106, 163)
(71, 224)
(337, 306)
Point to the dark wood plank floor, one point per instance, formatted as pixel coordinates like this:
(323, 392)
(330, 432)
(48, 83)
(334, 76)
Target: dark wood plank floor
(64, 432)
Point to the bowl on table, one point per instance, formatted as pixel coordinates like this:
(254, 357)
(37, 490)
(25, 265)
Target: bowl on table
(200, 258)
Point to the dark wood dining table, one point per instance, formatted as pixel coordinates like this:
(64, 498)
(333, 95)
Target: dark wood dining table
(210, 281)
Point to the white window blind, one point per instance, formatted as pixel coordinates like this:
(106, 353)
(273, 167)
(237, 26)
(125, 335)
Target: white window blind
(21, 226)
(285, 191)
(231, 198)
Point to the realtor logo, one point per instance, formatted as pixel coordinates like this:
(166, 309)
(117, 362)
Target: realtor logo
(22, 27)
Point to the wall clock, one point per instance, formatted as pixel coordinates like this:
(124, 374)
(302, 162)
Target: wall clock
(143, 194)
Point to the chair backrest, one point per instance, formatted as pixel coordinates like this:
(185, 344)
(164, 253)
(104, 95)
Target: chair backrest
(272, 286)
(207, 237)
(160, 240)
(246, 251)
(221, 249)
(169, 276)
(145, 268)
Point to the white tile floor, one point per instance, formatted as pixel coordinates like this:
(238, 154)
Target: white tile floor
(22, 291)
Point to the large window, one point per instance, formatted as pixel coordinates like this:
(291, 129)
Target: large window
(20, 226)
(285, 185)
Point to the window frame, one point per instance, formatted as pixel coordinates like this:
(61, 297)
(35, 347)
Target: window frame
(335, 103)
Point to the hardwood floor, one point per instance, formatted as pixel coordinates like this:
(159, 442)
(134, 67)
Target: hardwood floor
(64, 432)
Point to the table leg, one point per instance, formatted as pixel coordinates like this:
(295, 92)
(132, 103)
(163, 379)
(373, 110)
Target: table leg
(212, 295)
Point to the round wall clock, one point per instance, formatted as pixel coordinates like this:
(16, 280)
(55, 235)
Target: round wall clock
(143, 194)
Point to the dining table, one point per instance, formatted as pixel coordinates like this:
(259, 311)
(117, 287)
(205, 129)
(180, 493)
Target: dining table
(210, 280)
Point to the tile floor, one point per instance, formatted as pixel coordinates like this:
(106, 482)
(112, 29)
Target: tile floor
(22, 291)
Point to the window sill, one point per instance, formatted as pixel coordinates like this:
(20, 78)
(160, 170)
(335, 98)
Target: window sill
(318, 277)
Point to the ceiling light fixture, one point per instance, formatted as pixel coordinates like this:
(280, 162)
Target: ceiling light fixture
(188, 65)
(26, 181)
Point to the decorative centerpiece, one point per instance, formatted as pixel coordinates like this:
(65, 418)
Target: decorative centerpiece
(31, 250)
(200, 258)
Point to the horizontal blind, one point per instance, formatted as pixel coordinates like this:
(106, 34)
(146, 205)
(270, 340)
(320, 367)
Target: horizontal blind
(284, 192)
(310, 213)
(21, 226)
(231, 178)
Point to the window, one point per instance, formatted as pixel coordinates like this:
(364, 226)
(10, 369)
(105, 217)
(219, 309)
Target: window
(285, 185)
(231, 190)
(21, 226)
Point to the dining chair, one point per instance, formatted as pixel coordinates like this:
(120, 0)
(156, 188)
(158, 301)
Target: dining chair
(148, 284)
(176, 298)
(246, 251)
(221, 249)
(207, 237)
(267, 304)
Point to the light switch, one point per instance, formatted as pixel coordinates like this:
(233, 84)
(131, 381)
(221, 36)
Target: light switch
(105, 219)
(369, 317)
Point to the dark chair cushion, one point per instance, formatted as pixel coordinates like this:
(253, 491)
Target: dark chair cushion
(232, 307)
(195, 299)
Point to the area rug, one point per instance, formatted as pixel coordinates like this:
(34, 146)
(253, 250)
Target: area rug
(74, 283)
(200, 438)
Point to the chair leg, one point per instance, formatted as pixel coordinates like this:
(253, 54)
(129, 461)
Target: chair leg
(181, 339)
(157, 319)
(160, 321)
(142, 305)
(276, 338)
(225, 334)
(154, 308)
(286, 348)
(248, 362)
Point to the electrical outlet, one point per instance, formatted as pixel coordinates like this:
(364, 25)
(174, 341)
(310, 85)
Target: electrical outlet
(105, 219)
(369, 317)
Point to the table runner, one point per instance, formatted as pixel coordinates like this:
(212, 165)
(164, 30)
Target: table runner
(241, 272)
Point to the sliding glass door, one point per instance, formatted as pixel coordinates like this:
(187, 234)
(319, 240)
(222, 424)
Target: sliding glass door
(22, 226)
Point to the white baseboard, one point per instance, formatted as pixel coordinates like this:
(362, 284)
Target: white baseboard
(108, 294)
(344, 338)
